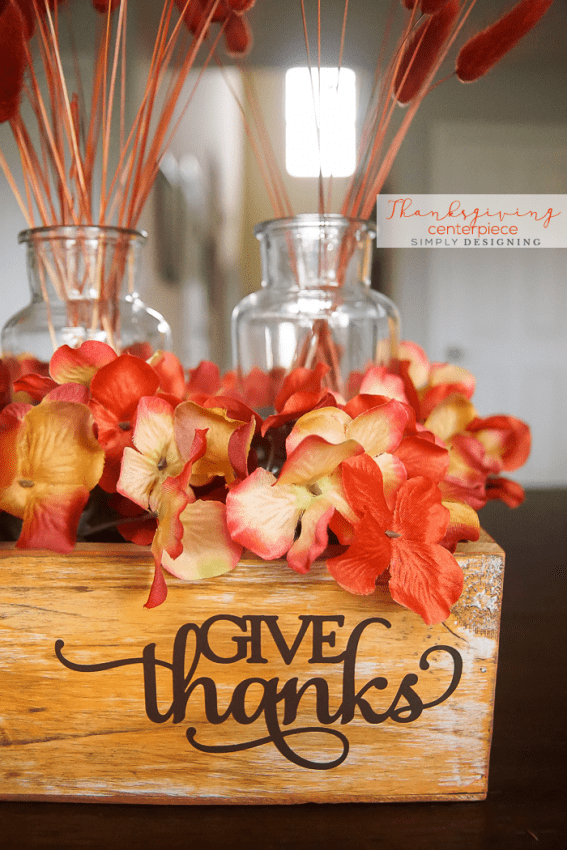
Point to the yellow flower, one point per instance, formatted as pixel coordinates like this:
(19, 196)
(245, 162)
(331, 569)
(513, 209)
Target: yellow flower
(51, 460)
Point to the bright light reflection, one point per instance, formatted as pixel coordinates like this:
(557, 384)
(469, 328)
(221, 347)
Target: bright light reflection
(335, 101)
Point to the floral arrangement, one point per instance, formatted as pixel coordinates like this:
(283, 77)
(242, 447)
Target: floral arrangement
(89, 153)
(81, 162)
(182, 462)
(77, 127)
(420, 37)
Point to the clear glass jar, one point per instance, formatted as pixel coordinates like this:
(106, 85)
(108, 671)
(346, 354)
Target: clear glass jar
(83, 286)
(315, 305)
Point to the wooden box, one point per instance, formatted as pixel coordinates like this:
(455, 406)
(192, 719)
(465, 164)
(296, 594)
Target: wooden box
(261, 686)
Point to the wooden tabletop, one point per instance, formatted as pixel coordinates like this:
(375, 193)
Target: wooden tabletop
(527, 801)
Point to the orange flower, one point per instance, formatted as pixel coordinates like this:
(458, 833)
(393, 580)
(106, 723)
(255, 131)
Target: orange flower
(116, 390)
(505, 439)
(51, 460)
(263, 512)
(80, 365)
(424, 576)
(191, 540)
(509, 492)
(221, 429)
(170, 372)
(301, 392)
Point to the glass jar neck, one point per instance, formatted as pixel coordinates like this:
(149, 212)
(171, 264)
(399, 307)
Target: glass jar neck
(315, 252)
(82, 262)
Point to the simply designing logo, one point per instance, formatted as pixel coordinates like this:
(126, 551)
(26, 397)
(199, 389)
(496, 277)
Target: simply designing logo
(471, 221)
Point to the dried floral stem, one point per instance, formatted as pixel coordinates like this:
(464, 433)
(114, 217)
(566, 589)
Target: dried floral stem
(59, 169)
(284, 203)
(316, 97)
(340, 65)
(13, 186)
(258, 136)
(107, 116)
(427, 35)
(388, 159)
(68, 123)
(75, 143)
(163, 139)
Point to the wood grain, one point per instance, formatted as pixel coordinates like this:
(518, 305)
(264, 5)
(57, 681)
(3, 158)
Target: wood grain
(71, 734)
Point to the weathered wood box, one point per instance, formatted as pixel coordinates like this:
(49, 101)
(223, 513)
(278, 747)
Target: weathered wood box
(261, 686)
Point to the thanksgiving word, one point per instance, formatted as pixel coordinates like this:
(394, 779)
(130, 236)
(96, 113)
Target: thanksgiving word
(402, 208)
(272, 699)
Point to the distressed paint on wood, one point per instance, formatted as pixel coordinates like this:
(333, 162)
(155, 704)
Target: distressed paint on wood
(69, 734)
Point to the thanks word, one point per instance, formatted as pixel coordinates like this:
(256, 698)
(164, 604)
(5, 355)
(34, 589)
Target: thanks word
(275, 701)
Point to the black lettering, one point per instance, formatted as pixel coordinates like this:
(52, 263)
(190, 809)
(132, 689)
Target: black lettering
(457, 671)
(414, 706)
(319, 639)
(287, 653)
(351, 699)
(240, 641)
(245, 708)
(292, 697)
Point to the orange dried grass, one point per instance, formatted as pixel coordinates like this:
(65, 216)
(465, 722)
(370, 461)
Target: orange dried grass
(75, 134)
(427, 35)
(406, 71)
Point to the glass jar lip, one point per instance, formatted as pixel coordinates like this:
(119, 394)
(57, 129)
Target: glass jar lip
(88, 231)
(310, 220)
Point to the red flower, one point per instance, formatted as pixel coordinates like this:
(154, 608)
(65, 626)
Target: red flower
(509, 492)
(257, 388)
(116, 390)
(506, 440)
(80, 365)
(203, 381)
(424, 576)
(50, 461)
(36, 386)
(170, 373)
(300, 392)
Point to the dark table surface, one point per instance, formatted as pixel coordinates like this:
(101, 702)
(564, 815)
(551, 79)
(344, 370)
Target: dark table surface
(526, 805)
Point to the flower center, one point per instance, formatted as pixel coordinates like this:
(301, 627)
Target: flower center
(393, 534)
(125, 426)
(162, 464)
(25, 482)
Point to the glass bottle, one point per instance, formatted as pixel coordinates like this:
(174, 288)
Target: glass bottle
(315, 305)
(83, 287)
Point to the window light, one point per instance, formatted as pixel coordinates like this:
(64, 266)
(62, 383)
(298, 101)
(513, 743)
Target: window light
(334, 104)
